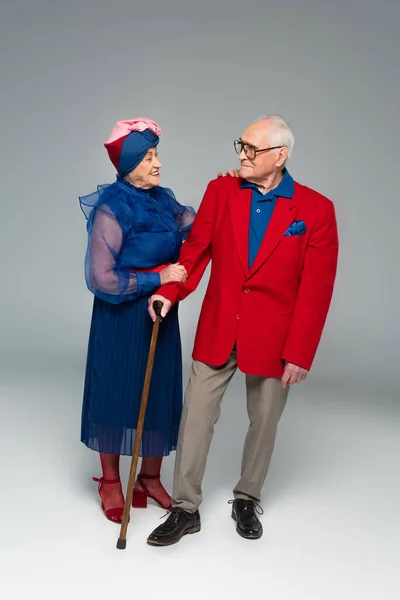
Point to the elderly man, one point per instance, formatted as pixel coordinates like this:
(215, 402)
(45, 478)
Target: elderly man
(273, 246)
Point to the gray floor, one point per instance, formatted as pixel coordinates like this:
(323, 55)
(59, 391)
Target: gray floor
(331, 502)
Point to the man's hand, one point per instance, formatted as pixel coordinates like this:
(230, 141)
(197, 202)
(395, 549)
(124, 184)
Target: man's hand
(166, 306)
(231, 173)
(293, 374)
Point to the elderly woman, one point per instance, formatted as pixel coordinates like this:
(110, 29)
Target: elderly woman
(135, 231)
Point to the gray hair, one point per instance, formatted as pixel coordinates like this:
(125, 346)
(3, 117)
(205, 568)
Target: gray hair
(282, 134)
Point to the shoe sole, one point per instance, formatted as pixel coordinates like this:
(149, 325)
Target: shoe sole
(194, 529)
(246, 537)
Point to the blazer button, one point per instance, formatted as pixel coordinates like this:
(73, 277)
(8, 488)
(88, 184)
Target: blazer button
(247, 291)
(237, 316)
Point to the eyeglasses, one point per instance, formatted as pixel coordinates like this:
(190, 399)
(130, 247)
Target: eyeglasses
(249, 150)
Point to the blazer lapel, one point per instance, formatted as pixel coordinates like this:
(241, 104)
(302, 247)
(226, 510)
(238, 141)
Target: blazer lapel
(282, 217)
(239, 207)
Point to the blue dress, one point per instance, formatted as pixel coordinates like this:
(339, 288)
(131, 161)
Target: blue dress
(130, 232)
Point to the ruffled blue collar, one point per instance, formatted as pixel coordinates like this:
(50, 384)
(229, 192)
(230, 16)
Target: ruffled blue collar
(132, 188)
(125, 191)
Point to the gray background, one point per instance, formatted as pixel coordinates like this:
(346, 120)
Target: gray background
(203, 70)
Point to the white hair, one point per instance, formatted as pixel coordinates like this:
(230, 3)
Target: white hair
(282, 134)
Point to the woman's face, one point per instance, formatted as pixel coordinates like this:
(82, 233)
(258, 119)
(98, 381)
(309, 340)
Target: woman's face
(147, 174)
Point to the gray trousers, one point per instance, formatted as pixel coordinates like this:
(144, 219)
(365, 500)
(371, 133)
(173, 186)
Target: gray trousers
(266, 400)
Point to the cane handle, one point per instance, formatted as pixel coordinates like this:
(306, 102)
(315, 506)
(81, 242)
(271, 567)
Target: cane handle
(157, 305)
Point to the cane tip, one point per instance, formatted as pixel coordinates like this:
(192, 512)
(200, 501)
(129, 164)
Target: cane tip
(121, 544)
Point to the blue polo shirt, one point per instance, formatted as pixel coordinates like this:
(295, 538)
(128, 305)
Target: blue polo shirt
(262, 206)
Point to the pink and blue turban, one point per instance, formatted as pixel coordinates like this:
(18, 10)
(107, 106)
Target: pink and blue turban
(129, 143)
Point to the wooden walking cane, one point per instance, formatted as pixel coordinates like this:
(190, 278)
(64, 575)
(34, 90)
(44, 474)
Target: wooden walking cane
(121, 543)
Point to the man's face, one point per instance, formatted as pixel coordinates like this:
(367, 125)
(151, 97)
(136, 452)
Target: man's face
(264, 164)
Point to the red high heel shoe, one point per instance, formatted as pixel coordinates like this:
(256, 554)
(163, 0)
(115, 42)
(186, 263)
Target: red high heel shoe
(113, 514)
(139, 497)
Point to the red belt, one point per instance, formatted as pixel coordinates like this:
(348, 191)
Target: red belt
(153, 269)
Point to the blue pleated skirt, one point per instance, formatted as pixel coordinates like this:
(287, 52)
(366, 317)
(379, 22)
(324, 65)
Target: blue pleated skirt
(116, 363)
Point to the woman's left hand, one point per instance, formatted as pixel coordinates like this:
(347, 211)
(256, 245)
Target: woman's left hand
(230, 173)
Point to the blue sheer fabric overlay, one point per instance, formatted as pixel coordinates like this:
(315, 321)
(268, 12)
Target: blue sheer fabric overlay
(131, 229)
(127, 228)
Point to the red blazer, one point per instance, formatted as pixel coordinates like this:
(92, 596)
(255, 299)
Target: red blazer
(276, 310)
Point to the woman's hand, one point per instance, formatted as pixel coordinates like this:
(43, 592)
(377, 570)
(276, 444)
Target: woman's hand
(230, 173)
(175, 273)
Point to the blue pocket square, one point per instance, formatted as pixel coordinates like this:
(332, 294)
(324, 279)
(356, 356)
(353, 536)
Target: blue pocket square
(296, 228)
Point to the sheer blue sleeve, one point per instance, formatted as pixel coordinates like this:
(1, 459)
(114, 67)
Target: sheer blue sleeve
(183, 215)
(105, 275)
(185, 219)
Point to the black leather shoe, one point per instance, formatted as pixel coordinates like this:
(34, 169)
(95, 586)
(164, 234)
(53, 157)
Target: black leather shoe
(179, 523)
(244, 512)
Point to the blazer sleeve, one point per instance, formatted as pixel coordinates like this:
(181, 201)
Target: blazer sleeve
(315, 291)
(196, 250)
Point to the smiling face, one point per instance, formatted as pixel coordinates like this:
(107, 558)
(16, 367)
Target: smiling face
(265, 163)
(147, 174)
